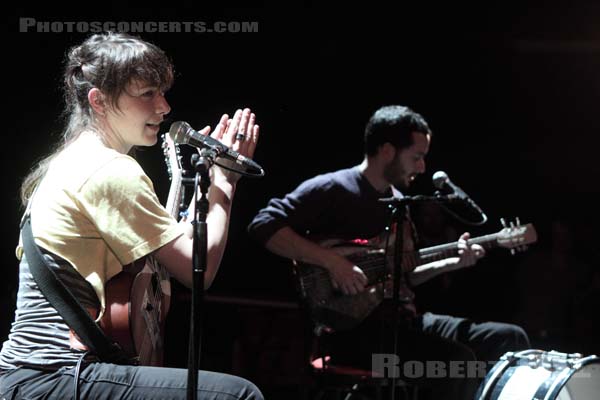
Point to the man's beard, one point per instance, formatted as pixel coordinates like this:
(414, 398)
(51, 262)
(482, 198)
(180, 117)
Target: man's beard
(395, 174)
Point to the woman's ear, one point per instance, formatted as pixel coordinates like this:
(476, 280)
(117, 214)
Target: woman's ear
(97, 101)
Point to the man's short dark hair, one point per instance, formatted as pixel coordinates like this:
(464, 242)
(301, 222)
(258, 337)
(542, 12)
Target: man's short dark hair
(393, 124)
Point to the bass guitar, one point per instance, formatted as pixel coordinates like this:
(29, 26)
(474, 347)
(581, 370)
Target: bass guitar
(330, 309)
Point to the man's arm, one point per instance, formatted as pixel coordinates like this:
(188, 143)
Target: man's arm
(345, 276)
(468, 254)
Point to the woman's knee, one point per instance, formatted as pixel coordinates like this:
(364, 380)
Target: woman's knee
(250, 391)
(229, 385)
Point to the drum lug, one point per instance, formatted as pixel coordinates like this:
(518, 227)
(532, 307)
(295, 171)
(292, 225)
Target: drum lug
(554, 360)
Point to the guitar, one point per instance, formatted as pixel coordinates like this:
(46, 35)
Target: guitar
(138, 298)
(330, 309)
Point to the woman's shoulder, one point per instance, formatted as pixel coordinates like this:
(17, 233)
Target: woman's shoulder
(87, 161)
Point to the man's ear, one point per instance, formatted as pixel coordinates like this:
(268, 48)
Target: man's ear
(387, 151)
(97, 101)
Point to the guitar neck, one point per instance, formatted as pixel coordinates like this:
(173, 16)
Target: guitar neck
(376, 263)
(172, 205)
(375, 260)
(451, 249)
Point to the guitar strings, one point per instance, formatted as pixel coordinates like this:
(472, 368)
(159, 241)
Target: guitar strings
(155, 299)
(413, 258)
(367, 267)
(154, 311)
(410, 258)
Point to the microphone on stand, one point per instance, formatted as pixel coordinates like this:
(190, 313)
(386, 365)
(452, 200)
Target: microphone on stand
(442, 182)
(181, 132)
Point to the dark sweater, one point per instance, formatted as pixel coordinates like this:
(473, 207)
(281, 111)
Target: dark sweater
(341, 204)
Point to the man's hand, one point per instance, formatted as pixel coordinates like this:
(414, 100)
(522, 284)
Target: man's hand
(345, 276)
(468, 254)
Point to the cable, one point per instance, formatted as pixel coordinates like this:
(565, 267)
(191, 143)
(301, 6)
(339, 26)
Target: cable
(76, 376)
(484, 217)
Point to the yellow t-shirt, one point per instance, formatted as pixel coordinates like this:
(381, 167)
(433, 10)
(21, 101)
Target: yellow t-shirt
(97, 209)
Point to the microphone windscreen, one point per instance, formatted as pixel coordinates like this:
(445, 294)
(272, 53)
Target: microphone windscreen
(439, 179)
(178, 132)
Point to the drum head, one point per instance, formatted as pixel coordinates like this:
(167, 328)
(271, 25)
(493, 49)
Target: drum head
(583, 384)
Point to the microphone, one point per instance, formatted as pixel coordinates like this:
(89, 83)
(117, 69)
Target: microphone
(441, 181)
(181, 132)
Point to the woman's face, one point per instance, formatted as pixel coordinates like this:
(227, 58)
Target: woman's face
(136, 119)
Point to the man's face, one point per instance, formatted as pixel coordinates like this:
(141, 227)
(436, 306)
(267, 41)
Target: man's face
(408, 162)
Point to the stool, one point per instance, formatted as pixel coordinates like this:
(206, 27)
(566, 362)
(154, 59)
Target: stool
(335, 381)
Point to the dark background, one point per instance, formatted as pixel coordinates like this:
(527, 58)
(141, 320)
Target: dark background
(511, 93)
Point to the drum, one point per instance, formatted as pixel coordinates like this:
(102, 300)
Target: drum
(541, 375)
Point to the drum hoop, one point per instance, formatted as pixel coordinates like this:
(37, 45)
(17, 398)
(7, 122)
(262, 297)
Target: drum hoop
(525, 353)
(559, 382)
(566, 374)
(586, 360)
(494, 374)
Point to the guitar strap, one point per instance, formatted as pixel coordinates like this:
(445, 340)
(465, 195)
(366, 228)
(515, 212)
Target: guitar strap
(67, 305)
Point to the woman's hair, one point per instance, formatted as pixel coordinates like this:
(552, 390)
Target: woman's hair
(109, 62)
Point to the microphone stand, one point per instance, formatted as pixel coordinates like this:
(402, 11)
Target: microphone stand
(400, 207)
(201, 165)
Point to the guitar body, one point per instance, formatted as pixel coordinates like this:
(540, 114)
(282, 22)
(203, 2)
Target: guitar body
(330, 308)
(138, 299)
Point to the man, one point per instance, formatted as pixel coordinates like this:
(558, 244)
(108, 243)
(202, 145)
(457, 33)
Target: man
(346, 204)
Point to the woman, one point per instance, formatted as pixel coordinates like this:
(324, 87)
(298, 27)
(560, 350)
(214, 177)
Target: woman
(93, 210)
